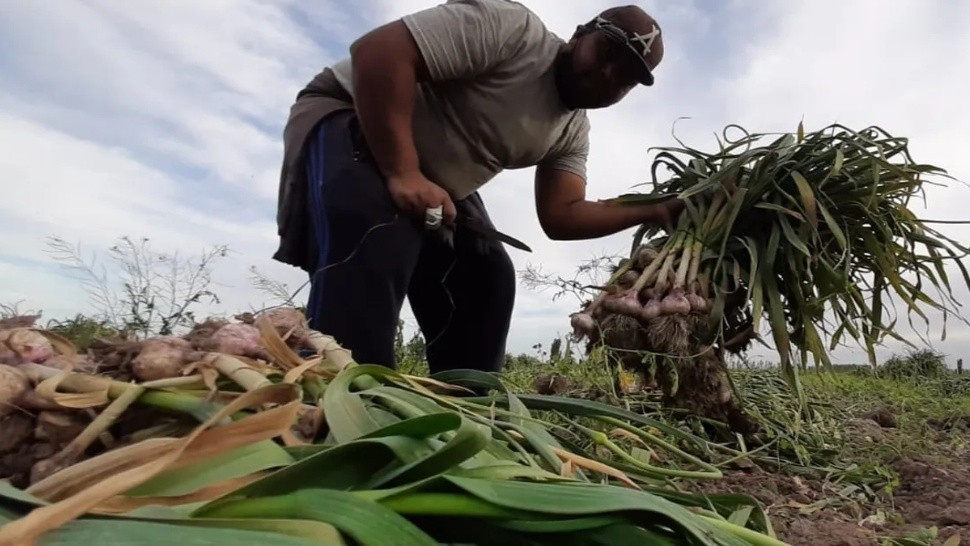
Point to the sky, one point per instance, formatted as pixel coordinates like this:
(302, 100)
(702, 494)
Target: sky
(163, 120)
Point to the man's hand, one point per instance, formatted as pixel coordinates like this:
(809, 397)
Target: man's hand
(415, 194)
(387, 68)
(566, 214)
(663, 214)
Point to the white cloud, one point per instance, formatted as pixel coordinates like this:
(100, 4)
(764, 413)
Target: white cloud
(164, 119)
(88, 194)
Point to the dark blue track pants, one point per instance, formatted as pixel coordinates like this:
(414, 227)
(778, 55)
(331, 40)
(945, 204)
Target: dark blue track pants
(371, 257)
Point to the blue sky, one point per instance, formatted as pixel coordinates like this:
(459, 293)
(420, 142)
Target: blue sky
(162, 119)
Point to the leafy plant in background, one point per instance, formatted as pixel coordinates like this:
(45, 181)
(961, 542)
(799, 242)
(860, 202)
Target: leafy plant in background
(916, 366)
(158, 291)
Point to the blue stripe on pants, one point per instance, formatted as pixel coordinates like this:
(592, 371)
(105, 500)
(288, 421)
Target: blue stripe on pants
(316, 179)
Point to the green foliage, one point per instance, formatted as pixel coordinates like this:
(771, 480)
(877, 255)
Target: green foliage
(816, 232)
(952, 385)
(82, 330)
(917, 366)
(409, 465)
(410, 354)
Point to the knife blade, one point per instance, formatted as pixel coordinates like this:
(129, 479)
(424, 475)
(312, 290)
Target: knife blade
(432, 221)
(477, 226)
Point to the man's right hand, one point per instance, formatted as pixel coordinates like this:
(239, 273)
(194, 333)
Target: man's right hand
(415, 194)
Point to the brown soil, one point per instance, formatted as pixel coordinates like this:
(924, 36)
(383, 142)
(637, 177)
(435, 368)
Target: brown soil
(932, 491)
(551, 384)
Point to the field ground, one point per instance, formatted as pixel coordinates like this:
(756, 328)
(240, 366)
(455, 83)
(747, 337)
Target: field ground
(917, 440)
(876, 460)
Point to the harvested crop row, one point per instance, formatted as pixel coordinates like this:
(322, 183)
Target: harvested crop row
(283, 449)
(44, 430)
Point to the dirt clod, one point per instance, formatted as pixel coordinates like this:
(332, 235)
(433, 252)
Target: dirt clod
(866, 429)
(958, 514)
(550, 384)
(17, 427)
(884, 417)
(807, 532)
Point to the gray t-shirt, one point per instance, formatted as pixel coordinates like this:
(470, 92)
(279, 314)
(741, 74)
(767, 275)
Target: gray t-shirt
(492, 104)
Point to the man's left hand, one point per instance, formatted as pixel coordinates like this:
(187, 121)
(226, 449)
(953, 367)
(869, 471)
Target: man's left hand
(665, 213)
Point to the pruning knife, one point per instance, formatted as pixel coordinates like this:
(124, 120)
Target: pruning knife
(477, 226)
(433, 221)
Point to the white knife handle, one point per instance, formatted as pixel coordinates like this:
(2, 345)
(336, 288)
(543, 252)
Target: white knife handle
(433, 217)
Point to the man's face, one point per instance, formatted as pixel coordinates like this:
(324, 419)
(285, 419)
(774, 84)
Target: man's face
(593, 71)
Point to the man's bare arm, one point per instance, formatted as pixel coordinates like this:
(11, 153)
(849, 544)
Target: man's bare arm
(387, 66)
(565, 214)
(386, 69)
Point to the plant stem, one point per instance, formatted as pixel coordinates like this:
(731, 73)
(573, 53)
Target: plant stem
(754, 537)
(175, 382)
(620, 271)
(82, 441)
(650, 270)
(236, 370)
(657, 441)
(695, 263)
(711, 230)
(662, 280)
(601, 439)
(330, 349)
(77, 382)
(712, 212)
(685, 259)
